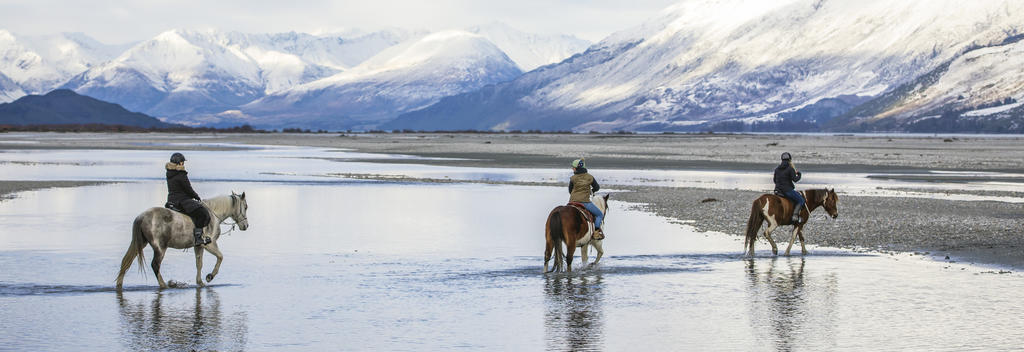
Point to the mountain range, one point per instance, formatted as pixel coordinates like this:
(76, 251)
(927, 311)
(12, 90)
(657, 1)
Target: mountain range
(724, 65)
(221, 78)
(791, 65)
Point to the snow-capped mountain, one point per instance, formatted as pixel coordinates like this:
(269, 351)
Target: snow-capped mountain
(703, 61)
(530, 51)
(407, 76)
(972, 92)
(183, 73)
(40, 63)
(9, 90)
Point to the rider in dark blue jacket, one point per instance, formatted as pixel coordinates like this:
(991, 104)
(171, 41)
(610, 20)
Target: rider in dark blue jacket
(785, 175)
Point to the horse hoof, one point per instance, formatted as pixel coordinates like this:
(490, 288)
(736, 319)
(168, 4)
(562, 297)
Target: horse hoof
(209, 277)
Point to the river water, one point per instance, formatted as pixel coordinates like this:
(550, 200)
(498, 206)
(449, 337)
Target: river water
(330, 263)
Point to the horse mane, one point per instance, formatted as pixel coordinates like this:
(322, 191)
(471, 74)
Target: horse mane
(220, 204)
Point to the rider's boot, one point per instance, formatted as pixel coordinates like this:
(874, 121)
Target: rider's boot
(598, 234)
(197, 235)
(796, 218)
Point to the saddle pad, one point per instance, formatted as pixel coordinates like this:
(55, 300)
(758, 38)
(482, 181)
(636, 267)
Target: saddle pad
(586, 213)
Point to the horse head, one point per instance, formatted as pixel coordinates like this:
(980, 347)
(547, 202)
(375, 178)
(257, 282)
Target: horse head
(239, 208)
(602, 203)
(831, 203)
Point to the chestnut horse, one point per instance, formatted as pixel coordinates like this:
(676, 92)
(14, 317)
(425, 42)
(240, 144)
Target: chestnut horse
(566, 224)
(777, 211)
(162, 228)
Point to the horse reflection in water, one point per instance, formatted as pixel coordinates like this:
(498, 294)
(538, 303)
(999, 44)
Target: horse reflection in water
(171, 321)
(792, 312)
(574, 321)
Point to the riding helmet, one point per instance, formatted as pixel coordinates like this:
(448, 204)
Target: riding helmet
(786, 156)
(578, 163)
(177, 158)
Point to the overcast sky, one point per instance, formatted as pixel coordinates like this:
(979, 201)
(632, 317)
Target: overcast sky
(120, 21)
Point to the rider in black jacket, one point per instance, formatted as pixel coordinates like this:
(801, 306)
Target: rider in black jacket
(180, 195)
(785, 175)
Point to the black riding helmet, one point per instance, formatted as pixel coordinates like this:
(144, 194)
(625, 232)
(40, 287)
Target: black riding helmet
(786, 156)
(177, 158)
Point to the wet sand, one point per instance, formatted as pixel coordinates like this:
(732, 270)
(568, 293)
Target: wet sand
(9, 189)
(972, 231)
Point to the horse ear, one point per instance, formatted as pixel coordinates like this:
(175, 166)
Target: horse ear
(606, 195)
(233, 193)
(243, 195)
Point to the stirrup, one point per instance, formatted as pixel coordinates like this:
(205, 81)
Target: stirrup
(199, 240)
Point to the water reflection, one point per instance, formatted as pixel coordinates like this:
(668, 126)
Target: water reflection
(787, 308)
(171, 321)
(573, 320)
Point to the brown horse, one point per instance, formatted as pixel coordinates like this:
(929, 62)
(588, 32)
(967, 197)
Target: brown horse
(566, 224)
(778, 211)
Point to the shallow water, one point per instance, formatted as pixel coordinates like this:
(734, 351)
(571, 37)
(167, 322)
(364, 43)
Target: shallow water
(291, 164)
(333, 264)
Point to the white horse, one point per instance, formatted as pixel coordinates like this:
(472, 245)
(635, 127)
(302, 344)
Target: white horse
(163, 228)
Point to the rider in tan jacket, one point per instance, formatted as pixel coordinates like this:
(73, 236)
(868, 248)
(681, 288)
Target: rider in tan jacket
(581, 186)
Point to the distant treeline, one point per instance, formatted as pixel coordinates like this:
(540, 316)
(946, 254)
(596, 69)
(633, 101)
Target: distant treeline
(123, 128)
(489, 132)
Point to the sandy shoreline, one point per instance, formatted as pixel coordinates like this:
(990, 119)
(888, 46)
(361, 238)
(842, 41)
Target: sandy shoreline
(668, 152)
(9, 189)
(981, 232)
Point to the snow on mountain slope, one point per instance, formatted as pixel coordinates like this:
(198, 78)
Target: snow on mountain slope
(40, 63)
(174, 73)
(530, 51)
(180, 72)
(9, 90)
(982, 77)
(708, 60)
(407, 76)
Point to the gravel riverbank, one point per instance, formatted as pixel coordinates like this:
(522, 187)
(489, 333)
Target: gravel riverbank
(977, 232)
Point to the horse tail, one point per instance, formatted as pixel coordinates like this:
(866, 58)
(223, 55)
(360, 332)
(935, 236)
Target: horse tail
(555, 230)
(753, 224)
(135, 249)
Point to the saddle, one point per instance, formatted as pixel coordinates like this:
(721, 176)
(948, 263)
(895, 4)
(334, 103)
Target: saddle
(790, 201)
(173, 207)
(583, 209)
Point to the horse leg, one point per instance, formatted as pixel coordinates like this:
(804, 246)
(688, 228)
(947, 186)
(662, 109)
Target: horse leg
(800, 231)
(548, 247)
(213, 249)
(199, 266)
(583, 254)
(600, 251)
(768, 234)
(158, 257)
(570, 249)
(796, 230)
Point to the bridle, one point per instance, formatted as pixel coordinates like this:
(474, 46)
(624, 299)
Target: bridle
(236, 215)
